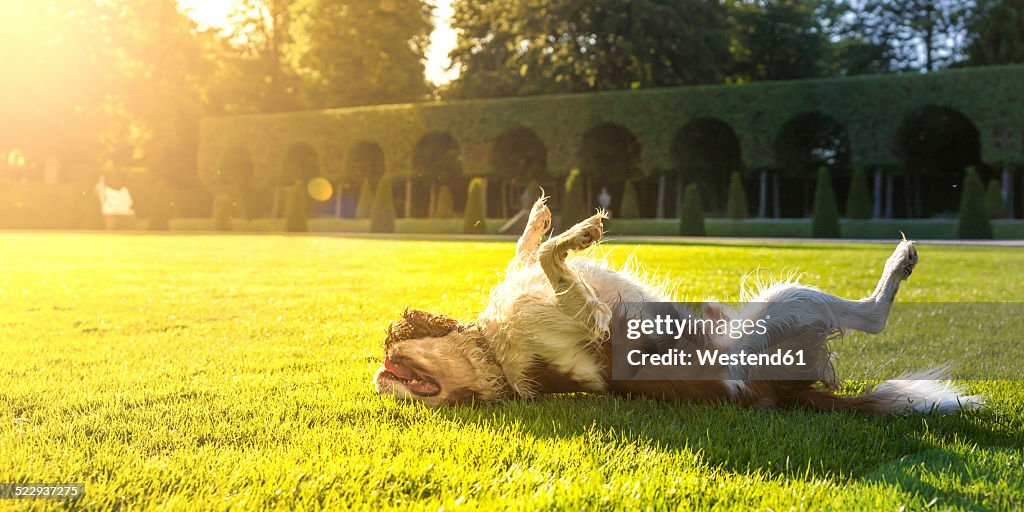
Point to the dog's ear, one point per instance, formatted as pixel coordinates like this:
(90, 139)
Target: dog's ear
(421, 324)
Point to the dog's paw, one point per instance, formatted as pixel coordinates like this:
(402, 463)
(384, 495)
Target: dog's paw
(540, 217)
(585, 233)
(904, 259)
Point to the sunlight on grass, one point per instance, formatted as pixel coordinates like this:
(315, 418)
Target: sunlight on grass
(215, 371)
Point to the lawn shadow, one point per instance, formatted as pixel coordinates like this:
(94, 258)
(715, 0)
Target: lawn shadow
(775, 442)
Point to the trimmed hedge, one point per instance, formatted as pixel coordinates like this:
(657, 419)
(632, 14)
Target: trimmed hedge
(974, 220)
(691, 217)
(382, 219)
(858, 201)
(989, 96)
(825, 217)
(475, 217)
(736, 206)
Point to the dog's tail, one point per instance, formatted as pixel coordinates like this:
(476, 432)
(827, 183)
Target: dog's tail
(923, 391)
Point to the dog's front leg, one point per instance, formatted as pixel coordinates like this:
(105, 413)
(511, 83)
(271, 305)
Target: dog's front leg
(538, 225)
(569, 345)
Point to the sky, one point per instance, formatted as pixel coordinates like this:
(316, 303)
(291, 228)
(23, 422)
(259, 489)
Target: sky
(215, 13)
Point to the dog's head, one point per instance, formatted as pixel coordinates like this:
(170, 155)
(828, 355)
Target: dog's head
(436, 360)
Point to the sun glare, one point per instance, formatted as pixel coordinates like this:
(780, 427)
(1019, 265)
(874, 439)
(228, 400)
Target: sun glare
(217, 14)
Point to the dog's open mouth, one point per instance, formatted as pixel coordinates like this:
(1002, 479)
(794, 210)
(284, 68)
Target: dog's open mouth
(412, 380)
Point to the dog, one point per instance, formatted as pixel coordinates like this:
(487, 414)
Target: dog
(548, 327)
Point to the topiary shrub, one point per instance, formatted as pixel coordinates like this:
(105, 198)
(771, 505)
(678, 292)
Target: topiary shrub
(736, 206)
(691, 214)
(364, 205)
(161, 210)
(476, 209)
(382, 218)
(297, 209)
(573, 209)
(974, 219)
(630, 205)
(445, 208)
(223, 210)
(858, 202)
(994, 201)
(825, 221)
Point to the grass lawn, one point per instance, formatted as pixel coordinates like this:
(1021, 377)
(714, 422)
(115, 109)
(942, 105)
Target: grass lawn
(213, 372)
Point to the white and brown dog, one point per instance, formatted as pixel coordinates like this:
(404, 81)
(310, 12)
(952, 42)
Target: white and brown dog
(547, 329)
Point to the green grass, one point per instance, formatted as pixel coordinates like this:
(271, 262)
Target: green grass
(214, 372)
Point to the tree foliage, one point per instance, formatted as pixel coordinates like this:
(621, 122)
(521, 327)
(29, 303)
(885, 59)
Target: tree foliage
(523, 47)
(360, 52)
(996, 33)
(777, 40)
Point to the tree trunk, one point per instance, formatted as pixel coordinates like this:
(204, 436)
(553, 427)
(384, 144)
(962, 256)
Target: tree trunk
(762, 195)
(679, 194)
(433, 199)
(660, 213)
(337, 200)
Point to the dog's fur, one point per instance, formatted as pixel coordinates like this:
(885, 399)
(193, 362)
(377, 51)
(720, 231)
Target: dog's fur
(547, 330)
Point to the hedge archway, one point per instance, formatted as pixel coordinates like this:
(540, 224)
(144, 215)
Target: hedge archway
(706, 151)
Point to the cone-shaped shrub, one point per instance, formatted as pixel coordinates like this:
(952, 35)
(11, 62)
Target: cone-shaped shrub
(630, 206)
(994, 201)
(223, 210)
(476, 209)
(736, 206)
(161, 214)
(445, 208)
(974, 219)
(825, 222)
(382, 218)
(691, 214)
(858, 203)
(297, 209)
(364, 205)
(573, 209)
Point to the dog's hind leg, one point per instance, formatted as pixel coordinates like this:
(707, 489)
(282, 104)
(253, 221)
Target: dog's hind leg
(790, 312)
(536, 227)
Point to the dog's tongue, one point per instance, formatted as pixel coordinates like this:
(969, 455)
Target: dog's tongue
(402, 373)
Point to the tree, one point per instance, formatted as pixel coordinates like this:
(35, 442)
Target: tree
(736, 207)
(994, 201)
(573, 208)
(825, 223)
(996, 33)
(475, 220)
(360, 52)
(858, 201)
(691, 214)
(924, 35)
(522, 47)
(777, 40)
(974, 219)
(383, 217)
